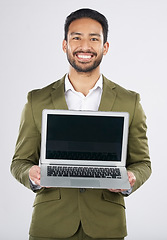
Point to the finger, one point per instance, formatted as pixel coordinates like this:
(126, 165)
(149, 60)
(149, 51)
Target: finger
(34, 174)
(37, 182)
(115, 190)
(38, 176)
(132, 178)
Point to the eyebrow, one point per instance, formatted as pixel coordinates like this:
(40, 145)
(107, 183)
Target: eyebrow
(91, 34)
(95, 34)
(75, 33)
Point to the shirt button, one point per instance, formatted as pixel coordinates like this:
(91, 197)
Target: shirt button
(82, 190)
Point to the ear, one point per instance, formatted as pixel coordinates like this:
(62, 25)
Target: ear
(105, 48)
(64, 45)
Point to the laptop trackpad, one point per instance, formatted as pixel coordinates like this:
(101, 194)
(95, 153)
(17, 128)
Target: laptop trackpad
(85, 183)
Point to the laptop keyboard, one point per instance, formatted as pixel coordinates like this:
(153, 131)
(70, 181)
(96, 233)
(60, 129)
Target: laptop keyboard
(93, 172)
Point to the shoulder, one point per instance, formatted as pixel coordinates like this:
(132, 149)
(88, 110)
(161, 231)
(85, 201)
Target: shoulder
(124, 100)
(119, 90)
(44, 92)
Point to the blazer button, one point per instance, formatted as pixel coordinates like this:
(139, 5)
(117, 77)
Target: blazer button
(82, 190)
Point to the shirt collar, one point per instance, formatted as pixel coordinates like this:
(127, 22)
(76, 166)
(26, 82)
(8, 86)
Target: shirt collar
(68, 85)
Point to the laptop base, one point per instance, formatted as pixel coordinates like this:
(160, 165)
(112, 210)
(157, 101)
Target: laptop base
(84, 182)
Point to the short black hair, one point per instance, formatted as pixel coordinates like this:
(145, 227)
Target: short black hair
(87, 13)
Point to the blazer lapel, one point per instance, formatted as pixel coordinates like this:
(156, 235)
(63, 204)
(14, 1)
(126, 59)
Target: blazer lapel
(108, 95)
(57, 95)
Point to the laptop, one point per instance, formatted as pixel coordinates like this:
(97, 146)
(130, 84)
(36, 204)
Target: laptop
(84, 149)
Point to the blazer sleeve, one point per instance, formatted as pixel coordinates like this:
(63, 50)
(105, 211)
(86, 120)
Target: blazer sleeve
(27, 150)
(138, 160)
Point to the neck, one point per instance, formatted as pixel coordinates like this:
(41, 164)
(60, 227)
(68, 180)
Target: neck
(83, 82)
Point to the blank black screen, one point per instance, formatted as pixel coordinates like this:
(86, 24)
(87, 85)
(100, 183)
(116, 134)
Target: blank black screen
(84, 137)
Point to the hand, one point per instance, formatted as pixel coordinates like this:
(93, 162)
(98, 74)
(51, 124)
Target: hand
(34, 174)
(132, 180)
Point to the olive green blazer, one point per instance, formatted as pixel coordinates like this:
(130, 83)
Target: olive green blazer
(58, 211)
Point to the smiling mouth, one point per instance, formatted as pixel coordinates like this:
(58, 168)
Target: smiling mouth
(85, 57)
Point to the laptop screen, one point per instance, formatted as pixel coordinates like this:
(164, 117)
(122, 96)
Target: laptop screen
(84, 137)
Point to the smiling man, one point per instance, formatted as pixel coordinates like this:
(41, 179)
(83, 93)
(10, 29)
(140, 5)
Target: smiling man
(84, 45)
(85, 49)
(62, 213)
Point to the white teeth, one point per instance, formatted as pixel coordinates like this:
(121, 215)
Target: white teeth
(84, 56)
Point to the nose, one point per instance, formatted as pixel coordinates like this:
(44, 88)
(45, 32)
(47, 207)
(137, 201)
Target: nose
(85, 44)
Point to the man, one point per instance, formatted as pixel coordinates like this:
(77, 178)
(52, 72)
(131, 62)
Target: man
(62, 213)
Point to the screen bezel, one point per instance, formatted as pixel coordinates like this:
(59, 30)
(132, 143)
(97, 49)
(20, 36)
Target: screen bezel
(45, 113)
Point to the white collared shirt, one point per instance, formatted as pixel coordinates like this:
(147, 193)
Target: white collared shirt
(77, 101)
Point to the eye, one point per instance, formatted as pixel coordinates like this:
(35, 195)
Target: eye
(76, 38)
(94, 39)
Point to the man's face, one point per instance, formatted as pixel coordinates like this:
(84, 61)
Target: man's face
(85, 45)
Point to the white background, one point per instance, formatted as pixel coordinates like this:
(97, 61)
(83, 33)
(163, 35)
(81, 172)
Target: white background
(31, 34)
